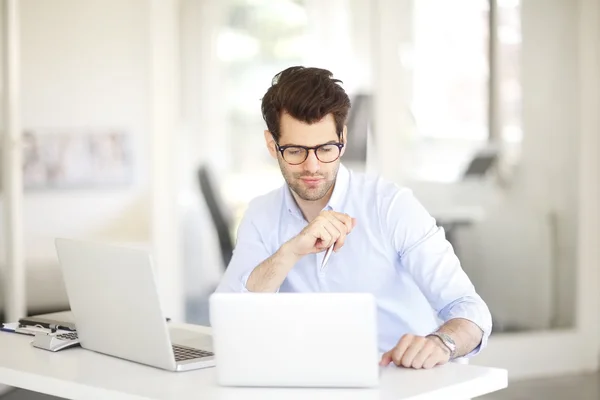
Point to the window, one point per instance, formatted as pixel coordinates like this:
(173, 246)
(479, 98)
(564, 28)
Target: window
(509, 83)
(260, 38)
(452, 75)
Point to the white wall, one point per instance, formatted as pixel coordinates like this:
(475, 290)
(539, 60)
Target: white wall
(85, 64)
(89, 64)
(529, 283)
(511, 254)
(551, 55)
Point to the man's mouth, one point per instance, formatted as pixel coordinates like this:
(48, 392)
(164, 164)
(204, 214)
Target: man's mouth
(312, 180)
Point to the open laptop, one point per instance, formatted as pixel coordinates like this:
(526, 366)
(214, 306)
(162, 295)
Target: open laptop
(295, 340)
(114, 299)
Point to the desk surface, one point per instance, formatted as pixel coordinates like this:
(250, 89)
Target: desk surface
(77, 373)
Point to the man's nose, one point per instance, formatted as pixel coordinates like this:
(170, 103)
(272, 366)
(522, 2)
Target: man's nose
(311, 164)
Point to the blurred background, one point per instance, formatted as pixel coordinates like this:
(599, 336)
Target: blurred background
(139, 122)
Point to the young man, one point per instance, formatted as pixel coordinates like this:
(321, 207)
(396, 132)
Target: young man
(384, 241)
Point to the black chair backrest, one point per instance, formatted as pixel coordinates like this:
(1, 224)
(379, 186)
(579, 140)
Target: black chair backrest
(480, 165)
(359, 121)
(217, 212)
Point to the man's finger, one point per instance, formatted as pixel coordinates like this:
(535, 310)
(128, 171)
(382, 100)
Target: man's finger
(431, 361)
(386, 358)
(346, 220)
(426, 351)
(343, 218)
(398, 351)
(341, 229)
(411, 352)
(333, 232)
(324, 236)
(339, 243)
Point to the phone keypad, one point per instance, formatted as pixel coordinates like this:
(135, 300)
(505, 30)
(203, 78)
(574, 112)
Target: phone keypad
(67, 336)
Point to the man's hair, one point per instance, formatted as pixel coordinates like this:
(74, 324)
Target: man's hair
(306, 94)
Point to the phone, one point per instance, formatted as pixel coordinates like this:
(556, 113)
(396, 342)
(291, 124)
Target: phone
(47, 323)
(55, 341)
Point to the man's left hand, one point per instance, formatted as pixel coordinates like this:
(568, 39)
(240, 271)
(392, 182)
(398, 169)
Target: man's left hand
(417, 352)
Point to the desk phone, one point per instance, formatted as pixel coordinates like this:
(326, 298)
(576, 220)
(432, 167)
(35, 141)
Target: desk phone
(55, 341)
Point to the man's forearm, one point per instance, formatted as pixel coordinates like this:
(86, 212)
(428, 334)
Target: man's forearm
(466, 334)
(270, 274)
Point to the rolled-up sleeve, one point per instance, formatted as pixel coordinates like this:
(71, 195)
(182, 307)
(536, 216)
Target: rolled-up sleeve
(430, 259)
(248, 253)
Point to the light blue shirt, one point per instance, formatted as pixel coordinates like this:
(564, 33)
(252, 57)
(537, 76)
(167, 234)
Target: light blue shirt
(396, 252)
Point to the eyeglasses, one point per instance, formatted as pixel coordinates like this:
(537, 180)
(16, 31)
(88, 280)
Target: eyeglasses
(326, 153)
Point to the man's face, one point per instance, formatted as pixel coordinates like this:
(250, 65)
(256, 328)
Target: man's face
(312, 179)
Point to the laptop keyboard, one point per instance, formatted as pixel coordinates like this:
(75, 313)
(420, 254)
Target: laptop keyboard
(183, 353)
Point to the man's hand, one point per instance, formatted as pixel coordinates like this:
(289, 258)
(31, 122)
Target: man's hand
(328, 228)
(417, 352)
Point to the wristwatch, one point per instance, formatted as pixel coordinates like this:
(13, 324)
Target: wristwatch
(448, 342)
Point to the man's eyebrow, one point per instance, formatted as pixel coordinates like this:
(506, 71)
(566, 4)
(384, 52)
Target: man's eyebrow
(300, 145)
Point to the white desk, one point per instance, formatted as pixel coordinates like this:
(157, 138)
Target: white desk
(81, 374)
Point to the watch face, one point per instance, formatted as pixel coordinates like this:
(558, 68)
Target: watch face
(449, 339)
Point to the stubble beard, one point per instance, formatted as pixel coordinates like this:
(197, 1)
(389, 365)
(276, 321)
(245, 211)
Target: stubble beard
(294, 181)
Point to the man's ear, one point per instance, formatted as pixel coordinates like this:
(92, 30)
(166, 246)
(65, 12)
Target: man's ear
(270, 142)
(344, 140)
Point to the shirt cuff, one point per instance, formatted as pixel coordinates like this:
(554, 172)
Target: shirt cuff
(473, 310)
(244, 282)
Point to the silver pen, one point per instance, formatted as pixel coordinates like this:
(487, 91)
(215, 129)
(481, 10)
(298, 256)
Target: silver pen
(326, 257)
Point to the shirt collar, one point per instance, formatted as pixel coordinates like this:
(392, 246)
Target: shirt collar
(340, 189)
(338, 195)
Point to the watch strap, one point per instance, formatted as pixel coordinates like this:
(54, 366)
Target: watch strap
(447, 341)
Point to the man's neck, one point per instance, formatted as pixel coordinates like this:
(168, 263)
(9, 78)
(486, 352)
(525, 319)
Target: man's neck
(311, 209)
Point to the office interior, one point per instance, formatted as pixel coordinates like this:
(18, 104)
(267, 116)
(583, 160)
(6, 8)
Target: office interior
(138, 122)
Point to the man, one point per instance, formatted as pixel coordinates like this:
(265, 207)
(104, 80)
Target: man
(384, 241)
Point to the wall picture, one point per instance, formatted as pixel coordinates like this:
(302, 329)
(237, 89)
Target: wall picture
(70, 159)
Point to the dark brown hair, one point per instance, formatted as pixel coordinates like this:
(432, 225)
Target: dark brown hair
(306, 94)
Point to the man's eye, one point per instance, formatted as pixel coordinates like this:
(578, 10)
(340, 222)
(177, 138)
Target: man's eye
(327, 149)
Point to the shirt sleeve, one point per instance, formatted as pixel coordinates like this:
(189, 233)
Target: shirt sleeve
(248, 253)
(430, 259)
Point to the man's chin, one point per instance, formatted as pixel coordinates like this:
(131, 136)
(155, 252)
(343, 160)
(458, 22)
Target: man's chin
(311, 194)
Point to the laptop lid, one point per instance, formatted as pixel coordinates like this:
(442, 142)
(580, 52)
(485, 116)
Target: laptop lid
(114, 300)
(292, 339)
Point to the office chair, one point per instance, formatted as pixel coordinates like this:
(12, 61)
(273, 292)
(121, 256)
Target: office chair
(481, 164)
(359, 121)
(218, 214)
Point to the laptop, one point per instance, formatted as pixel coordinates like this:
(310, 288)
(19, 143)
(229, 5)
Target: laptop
(114, 299)
(295, 339)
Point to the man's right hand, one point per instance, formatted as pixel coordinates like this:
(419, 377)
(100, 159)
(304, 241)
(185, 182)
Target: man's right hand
(327, 228)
